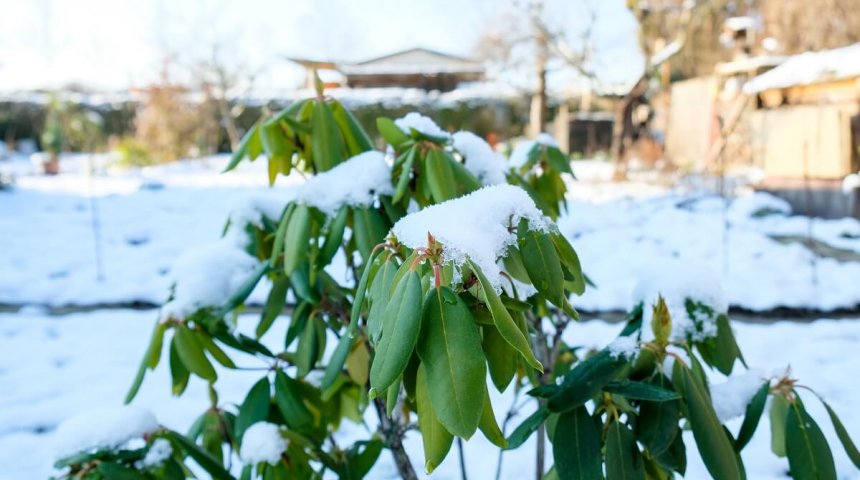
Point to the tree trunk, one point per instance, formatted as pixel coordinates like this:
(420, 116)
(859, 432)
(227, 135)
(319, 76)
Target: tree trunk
(537, 114)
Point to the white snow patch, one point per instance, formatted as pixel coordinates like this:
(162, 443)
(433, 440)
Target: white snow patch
(624, 346)
(731, 397)
(808, 68)
(263, 442)
(355, 182)
(678, 282)
(269, 204)
(851, 183)
(420, 123)
(757, 205)
(520, 155)
(487, 164)
(158, 452)
(104, 428)
(474, 227)
(205, 276)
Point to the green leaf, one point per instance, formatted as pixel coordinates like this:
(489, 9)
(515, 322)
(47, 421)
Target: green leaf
(179, 374)
(778, 416)
(361, 293)
(275, 304)
(576, 447)
(308, 351)
(405, 174)
(326, 141)
(570, 259)
(391, 132)
(657, 425)
(489, 426)
(586, 380)
(401, 324)
(116, 471)
(190, 351)
(558, 160)
(440, 175)
(623, 459)
(289, 400)
(503, 321)
(255, 408)
(809, 456)
(252, 136)
(355, 137)
(296, 238)
(641, 391)
(527, 428)
(542, 263)
(466, 180)
(715, 447)
(379, 295)
(150, 359)
(450, 349)
(842, 433)
(214, 349)
(437, 441)
(753, 414)
(207, 462)
(338, 359)
(334, 236)
(369, 229)
(501, 358)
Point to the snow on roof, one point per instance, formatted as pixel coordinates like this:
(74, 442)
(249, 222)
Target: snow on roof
(412, 61)
(109, 428)
(520, 155)
(205, 276)
(420, 123)
(808, 68)
(355, 182)
(480, 158)
(678, 282)
(263, 442)
(473, 227)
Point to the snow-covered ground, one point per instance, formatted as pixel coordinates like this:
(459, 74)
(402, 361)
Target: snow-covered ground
(53, 367)
(147, 217)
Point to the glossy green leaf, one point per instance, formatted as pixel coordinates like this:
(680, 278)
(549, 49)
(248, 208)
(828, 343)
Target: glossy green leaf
(641, 391)
(778, 415)
(809, 456)
(570, 259)
(214, 350)
(542, 263)
(252, 136)
(450, 350)
(714, 446)
(333, 236)
(179, 374)
(354, 136)
(391, 132)
(623, 459)
(503, 320)
(842, 433)
(369, 229)
(405, 174)
(254, 408)
(190, 351)
(437, 441)
(576, 447)
(207, 462)
(326, 141)
(150, 359)
(558, 160)
(753, 414)
(379, 295)
(296, 238)
(586, 380)
(501, 358)
(289, 400)
(525, 430)
(337, 361)
(275, 304)
(115, 471)
(361, 293)
(657, 425)
(440, 175)
(489, 426)
(401, 324)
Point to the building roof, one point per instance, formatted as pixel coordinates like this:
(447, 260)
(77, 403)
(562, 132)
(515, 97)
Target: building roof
(413, 61)
(809, 68)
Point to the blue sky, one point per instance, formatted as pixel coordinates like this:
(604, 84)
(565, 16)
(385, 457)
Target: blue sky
(117, 43)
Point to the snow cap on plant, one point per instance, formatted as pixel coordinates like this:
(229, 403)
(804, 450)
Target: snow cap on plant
(263, 442)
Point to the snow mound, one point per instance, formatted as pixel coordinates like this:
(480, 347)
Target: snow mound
(207, 275)
(626, 347)
(520, 155)
(105, 428)
(269, 205)
(731, 397)
(355, 182)
(422, 124)
(757, 205)
(263, 442)
(680, 283)
(487, 164)
(158, 452)
(474, 227)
